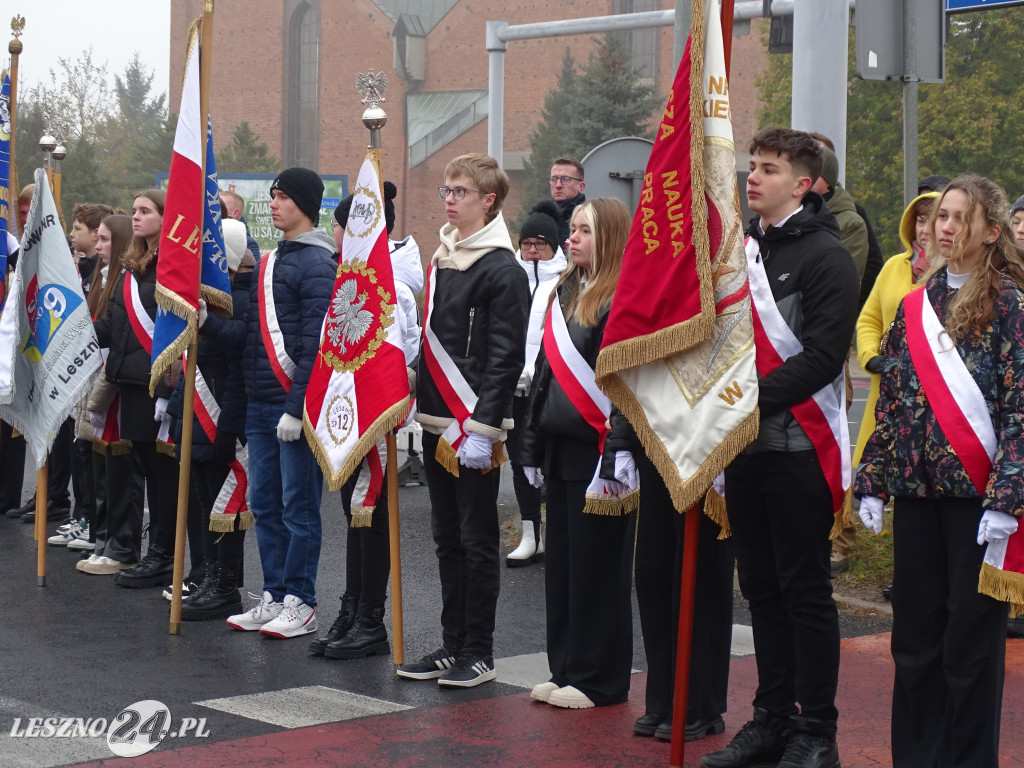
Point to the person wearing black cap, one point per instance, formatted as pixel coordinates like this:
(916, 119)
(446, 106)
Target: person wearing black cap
(287, 304)
(359, 629)
(934, 183)
(544, 261)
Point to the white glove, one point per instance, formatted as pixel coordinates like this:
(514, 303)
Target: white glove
(995, 526)
(98, 420)
(533, 476)
(203, 314)
(625, 470)
(160, 409)
(871, 513)
(289, 428)
(475, 451)
(614, 486)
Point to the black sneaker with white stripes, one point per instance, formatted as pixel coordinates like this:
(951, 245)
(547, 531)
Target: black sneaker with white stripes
(469, 670)
(430, 666)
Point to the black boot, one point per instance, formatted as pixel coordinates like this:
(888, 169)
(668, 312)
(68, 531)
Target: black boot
(342, 624)
(811, 744)
(201, 582)
(154, 570)
(763, 739)
(368, 637)
(219, 601)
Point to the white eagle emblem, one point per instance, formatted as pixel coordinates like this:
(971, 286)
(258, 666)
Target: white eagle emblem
(349, 321)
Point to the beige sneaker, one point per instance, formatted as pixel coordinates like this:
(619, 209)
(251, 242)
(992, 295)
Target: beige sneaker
(104, 566)
(90, 559)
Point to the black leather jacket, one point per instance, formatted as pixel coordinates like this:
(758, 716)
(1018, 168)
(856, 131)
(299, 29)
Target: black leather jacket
(480, 317)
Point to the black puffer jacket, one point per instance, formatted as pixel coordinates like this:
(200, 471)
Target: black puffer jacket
(303, 282)
(815, 287)
(480, 316)
(129, 362)
(220, 358)
(558, 438)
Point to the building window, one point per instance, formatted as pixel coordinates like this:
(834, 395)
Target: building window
(304, 88)
(641, 43)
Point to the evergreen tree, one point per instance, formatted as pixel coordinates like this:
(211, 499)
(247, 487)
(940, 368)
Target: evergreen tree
(604, 101)
(246, 154)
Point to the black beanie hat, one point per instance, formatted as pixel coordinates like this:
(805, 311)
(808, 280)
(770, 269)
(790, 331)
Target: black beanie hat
(1017, 206)
(935, 183)
(305, 188)
(542, 223)
(341, 212)
(390, 193)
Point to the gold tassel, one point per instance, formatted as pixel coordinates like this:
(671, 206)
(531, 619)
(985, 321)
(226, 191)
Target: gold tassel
(612, 506)
(120, 447)
(1005, 586)
(167, 449)
(362, 517)
(222, 523)
(245, 520)
(842, 515)
(498, 456)
(715, 509)
(446, 457)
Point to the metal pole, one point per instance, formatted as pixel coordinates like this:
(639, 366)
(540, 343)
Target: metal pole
(496, 48)
(681, 32)
(909, 103)
(820, 40)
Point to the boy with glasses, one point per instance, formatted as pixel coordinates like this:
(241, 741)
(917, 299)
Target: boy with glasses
(474, 336)
(567, 187)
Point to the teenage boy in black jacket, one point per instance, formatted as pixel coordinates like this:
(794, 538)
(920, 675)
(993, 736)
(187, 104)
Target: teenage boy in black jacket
(474, 345)
(781, 508)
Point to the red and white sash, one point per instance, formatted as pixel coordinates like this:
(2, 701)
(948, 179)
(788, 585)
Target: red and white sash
(577, 380)
(821, 416)
(273, 339)
(961, 410)
(368, 485)
(140, 320)
(230, 504)
(109, 435)
(451, 384)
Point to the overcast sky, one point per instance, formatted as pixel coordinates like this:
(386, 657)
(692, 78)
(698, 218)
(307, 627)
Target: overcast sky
(115, 29)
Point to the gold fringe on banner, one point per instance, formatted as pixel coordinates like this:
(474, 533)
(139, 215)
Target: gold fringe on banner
(1006, 586)
(615, 506)
(391, 419)
(362, 517)
(167, 449)
(715, 509)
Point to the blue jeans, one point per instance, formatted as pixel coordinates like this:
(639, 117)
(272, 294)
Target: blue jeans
(285, 486)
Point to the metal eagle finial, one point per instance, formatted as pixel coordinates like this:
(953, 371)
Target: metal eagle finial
(372, 86)
(17, 25)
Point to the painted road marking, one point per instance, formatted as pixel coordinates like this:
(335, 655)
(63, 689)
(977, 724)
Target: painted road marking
(301, 707)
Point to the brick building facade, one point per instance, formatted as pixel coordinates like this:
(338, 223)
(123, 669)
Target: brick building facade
(288, 68)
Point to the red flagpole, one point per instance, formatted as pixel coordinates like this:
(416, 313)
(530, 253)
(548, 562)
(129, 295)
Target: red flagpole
(688, 581)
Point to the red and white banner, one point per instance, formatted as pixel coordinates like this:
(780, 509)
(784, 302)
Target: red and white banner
(270, 329)
(359, 388)
(961, 410)
(678, 354)
(821, 416)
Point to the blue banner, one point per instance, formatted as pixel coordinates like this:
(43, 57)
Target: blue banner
(5, 181)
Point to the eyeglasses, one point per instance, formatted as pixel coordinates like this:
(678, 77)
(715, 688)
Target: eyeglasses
(459, 193)
(530, 245)
(564, 179)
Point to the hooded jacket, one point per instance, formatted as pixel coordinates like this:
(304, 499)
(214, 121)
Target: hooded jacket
(408, 272)
(814, 284)
(303, 281)
(543, 275)
(481, 303)
(895, 281)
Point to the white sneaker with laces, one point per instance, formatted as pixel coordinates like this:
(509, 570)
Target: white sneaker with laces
(82, 543)
(263, 612)
(296, 619)
(89, 560)
(66, 534)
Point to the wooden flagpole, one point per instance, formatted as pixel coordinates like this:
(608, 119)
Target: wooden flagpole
(188, 407)
(397, 623)
(42, 478)
(688, 582)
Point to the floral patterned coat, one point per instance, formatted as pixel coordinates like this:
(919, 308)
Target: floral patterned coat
(908, 455)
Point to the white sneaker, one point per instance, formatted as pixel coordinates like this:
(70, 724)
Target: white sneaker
(82, 543)
(262, 613)
(296, 618)
(104, 566)
(66, 534)
(89, 560)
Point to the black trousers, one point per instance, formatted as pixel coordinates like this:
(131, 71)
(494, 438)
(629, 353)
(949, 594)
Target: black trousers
(527, 496)
(780, 511)
(948, 641)
(659, 561)
(464, 523)
(587, 589)
(60, 463)
(83, 479)
(227, 548)
(161, 475)
(120, 485)
(367, 550)
(12, 459)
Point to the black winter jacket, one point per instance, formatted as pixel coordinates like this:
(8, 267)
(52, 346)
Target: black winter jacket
(303, 282)
(128, 362)
(814, 284)
(480, 317)
(557, 437)
(220, 358)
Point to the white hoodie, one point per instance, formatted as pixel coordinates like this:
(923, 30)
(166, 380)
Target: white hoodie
(408, 271)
